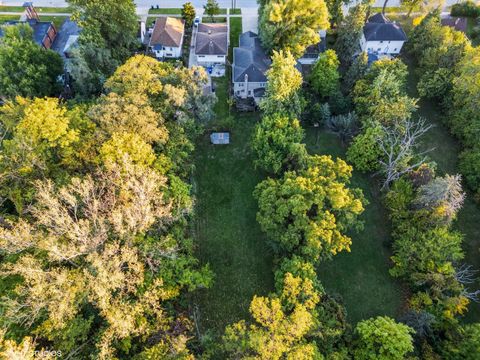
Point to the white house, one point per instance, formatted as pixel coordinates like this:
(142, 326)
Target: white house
(211, 44)
(382, 37)
(167, 38)
(249, 66)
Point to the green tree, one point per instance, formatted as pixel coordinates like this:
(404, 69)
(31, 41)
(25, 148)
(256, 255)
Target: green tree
(307, 212)
(349, 34)
(356, 71)
(277, 144)
(109, 35)
(288, 25)
(211, 8)
(365, 151)
(283, 86)
(324, 77)
(188, 14)
(382, 338)
(26, 69)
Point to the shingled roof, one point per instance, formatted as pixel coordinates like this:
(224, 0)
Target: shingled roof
(250, 59)
(168, 31)
(379, 28)
(211, 39)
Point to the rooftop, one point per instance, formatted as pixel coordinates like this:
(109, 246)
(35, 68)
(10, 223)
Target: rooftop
(212, 39)
(249, 59)
(168, 31)
(379, 28)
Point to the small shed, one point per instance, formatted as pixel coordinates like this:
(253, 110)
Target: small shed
(220, 138)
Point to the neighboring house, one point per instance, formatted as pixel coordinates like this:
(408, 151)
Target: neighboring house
(211, 44)
(167, 37)
(313, 51)
(44, 32)
(67, 39)
(381, 36)
(457, 23)
(249, 66)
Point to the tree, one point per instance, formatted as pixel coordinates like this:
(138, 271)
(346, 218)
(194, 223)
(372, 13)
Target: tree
(286, 25)
(211, 8)
(345, 126)
(356, 71)
(335, 11)
(398, 149)
(188, 14)
(284, 81)
(26, 69)
(109, 34)
(349, 34)
(307, 212)
(324, 77)
(411, 4)
(443, 194)
(382, 338)
(277, 144)
(364, 152)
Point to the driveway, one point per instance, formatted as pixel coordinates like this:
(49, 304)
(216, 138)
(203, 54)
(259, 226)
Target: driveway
(250, 19)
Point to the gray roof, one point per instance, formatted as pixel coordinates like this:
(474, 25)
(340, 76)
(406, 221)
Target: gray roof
(212, 39)
(379, 28)
(250, 59)
(68, 30)
(40, 28)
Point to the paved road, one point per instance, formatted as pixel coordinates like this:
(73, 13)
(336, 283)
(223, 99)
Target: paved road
(145, 3)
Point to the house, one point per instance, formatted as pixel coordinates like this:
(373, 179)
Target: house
(381, 36)
(167, 37)
(457, 23)
(44, 32)
(211, 44)
(67, 39)
(250, 64)
(313, 51)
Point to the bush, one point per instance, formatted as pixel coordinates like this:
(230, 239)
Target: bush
(467, 8)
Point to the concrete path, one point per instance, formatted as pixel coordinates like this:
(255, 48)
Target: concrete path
(250, 20)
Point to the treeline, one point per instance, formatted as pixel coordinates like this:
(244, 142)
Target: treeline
(451, 69)
(96, 257)
(422, 205)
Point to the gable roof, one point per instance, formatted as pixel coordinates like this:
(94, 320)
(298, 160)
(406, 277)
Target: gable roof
(212, 39)
(379, 28)
(168, 31)
(250, 59)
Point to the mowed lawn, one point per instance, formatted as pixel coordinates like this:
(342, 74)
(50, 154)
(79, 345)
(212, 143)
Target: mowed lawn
(360, 277)
(445, 153)
(227, 235)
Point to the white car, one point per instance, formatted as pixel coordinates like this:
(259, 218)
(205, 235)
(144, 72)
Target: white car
(196, 21)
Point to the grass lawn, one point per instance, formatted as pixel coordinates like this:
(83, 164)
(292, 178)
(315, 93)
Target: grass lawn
(235, 31)
(360, 277)
(235, 11)
(208, 19)
(5, 18)
(4, 8)
(43, 9)
(226, 232)
(445, 154)
(170, 11)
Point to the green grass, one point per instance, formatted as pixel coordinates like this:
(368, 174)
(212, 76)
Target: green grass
(235, 11)
(57, 20)
(169, 11)
(226, 232)
(360, 277)
(5, 18)
(235, 31)
(4, 8)
(208, 19)
(445, 154)
(150, 21)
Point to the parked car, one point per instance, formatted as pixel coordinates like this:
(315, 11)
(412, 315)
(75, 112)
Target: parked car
(196, 21)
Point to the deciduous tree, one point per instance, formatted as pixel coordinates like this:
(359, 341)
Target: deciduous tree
(324, 77)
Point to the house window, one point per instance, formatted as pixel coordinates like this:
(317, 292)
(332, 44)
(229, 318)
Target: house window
(395, 49)
(381, 42)
(163, 48)
(169, 54)
(249, 92)
(379, 49)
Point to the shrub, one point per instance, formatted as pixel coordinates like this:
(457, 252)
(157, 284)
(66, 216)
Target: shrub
(467, 8)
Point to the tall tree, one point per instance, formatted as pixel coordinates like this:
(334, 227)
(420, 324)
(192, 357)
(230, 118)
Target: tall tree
(324, 77)
(382, 338)
(283, 86)
(188, 14)
(307, 212)
(349, 34)
(26, 69)
(211, 9)
(108, 37)
(292, 25)
(277, 143)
